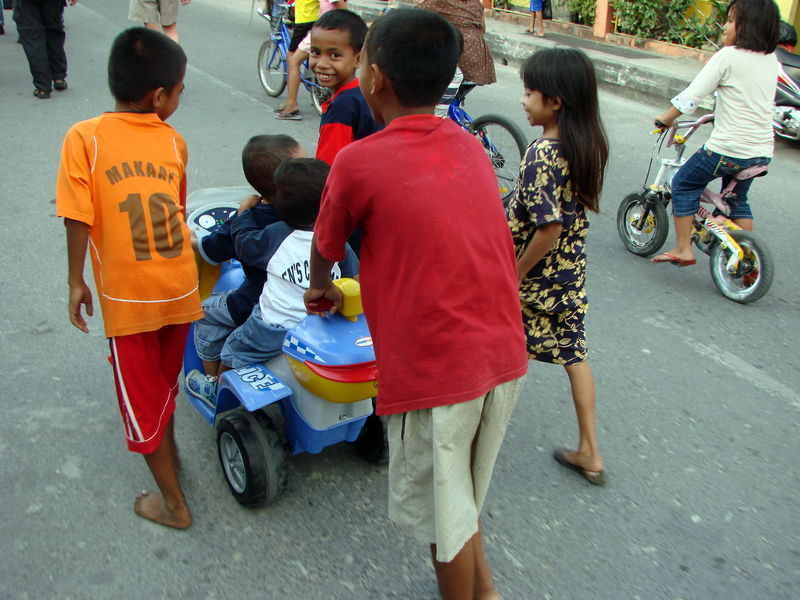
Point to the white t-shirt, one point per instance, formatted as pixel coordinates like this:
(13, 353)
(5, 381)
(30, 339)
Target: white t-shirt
(745, 82)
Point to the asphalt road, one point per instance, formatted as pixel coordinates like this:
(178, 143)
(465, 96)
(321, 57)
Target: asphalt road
(698, 396)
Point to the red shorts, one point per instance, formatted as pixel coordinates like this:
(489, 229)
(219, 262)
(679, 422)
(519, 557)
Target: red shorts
(146, 368)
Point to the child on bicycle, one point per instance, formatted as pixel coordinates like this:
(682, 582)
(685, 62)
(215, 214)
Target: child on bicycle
(289, 110)
(744, 74)
(282, 251)
(122, 186)
(560, 180)
(442, 309)
(336, 42)
(223, 312)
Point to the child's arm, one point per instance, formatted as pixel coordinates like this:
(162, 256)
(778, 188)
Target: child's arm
(704, 84)
(79, 293)
(541, 243)
(250, 241)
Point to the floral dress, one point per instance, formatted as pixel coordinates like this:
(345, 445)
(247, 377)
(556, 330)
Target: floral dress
(552, 294)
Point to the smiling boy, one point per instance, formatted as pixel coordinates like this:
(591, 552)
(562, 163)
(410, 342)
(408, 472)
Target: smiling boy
(336, 41)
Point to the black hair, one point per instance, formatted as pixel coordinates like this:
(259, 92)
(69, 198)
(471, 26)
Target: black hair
(141, 61)
(568, 74)
(347, 21)
(787, 34)
(298, 190)
(757, 24)
(417, 51)
(261, 156)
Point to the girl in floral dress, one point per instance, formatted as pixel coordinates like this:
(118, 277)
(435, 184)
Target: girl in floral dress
(560, 178)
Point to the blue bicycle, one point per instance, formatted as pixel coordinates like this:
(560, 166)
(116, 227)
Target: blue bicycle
(503, 141)
(272, 59)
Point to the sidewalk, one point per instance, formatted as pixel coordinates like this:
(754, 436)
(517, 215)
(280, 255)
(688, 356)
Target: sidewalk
(625, 70)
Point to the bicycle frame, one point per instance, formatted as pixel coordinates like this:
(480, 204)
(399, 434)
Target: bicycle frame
(661, 191)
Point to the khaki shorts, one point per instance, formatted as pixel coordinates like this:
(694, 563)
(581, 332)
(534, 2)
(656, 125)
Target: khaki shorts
(164, 12)
(440, 464)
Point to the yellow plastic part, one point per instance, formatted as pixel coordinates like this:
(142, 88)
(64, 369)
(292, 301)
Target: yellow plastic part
(332, 391)
(207, 275)
(351, 304)
(679, 139)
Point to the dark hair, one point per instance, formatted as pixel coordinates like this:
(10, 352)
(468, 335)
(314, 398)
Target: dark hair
(787, 34)
(417, 51)
(346, 21)
(141, 61)
(568, 74)
(261, 156)
(757, 24)
(298, 189)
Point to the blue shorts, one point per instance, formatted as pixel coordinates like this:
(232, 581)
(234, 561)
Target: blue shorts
(212, 330)
(253, 342)
(703, 167)
(536, 5)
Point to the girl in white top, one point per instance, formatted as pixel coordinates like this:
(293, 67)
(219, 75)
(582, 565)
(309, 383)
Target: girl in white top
(744, 74)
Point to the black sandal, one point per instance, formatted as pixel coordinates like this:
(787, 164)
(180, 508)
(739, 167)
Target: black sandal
(41, 94)
(60, 84)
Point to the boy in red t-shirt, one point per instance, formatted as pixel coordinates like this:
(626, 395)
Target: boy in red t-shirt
(122, 191)
(336, 41)
(439, 285)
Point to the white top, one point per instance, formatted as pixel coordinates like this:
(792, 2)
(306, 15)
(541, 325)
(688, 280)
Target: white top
(745, 82)
(288, 274)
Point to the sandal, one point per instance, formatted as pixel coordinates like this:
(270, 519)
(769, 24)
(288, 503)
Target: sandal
(594, 477)
(292, 116)
(41, 94)
(60, 84)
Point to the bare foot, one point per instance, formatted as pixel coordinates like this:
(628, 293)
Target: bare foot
(151, 505)
(489, 595)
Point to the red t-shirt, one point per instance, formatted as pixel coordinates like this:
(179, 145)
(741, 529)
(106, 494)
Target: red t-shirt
(438, 272)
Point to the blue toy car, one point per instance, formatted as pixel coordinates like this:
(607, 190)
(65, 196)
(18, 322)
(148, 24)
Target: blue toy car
(323, 383)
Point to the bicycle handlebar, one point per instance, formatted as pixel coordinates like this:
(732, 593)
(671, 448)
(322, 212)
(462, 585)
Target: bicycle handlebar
(692, 126)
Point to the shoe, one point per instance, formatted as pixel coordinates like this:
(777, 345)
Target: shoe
(594, 477)
(2, 29)
(202, 386)
(671, 258)
(41, 94)
(60, 84)
(292, 116)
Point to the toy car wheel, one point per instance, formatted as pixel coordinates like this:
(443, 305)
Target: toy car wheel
(252, 457)
(371, 444)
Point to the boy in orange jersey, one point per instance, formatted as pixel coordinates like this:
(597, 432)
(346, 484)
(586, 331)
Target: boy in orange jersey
(122, 190)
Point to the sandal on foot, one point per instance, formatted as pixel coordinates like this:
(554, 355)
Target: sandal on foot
(41, 94)
(593, 477)
(292, 116)
(671, 258)
(60, 84)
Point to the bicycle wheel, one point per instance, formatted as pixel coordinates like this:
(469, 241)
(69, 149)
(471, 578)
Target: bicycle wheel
(270, 68)
(505, 145)
(752, 278)
(652, 234)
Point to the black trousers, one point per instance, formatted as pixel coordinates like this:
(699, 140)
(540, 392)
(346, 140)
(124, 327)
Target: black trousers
(40, 24)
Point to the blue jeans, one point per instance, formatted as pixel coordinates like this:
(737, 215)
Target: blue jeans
(703, 167)
(253, 342)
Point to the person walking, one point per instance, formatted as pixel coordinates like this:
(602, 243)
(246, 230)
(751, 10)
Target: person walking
(40, 24)
(158, 15)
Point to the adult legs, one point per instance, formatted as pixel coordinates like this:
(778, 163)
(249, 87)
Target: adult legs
(581, 381)
(53, 18)
(32, 35)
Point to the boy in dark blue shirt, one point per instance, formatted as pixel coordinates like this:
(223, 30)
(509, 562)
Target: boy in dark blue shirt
(336, 41)
(261, 156)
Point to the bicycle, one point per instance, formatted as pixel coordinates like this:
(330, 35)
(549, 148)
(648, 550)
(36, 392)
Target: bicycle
(272, 66)
(503, 141)
(741, 265)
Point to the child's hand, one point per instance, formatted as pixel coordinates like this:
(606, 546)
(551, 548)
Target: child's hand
(332, 293)
(80, 294)
(193, 240)
(249, 203)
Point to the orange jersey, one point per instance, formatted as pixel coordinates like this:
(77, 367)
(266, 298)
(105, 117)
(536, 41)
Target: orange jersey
(123, 174)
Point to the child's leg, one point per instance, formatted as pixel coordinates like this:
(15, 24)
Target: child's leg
(583, 396)
(541, 22)
(532, 23)
(169, 506)
(466, 576)
(171, 31)
(293, 80)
